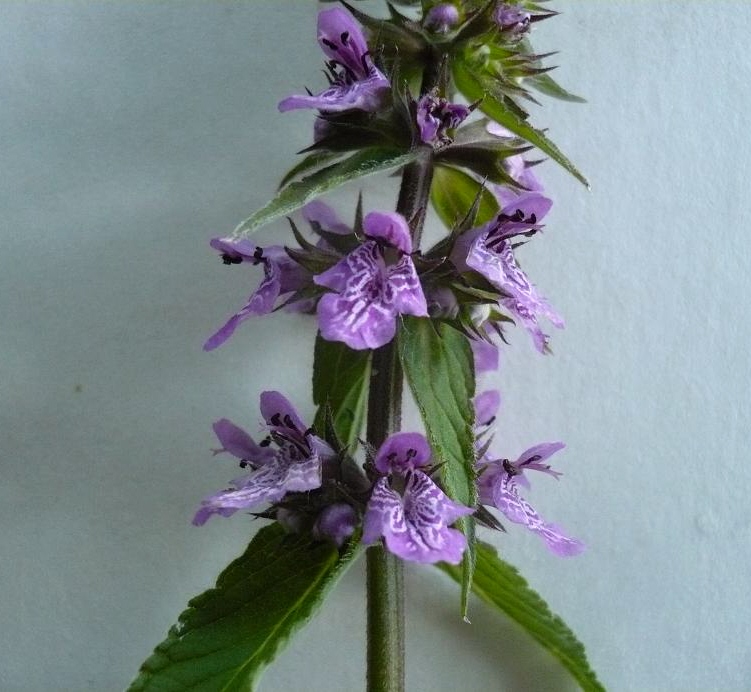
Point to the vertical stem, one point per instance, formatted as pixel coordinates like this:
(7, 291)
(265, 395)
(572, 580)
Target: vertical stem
(385, 572)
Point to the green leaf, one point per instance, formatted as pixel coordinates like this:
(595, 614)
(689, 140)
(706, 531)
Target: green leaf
(229, 634)
(500, 585)
(311, 161)
(545, 84)
(438, 363)
(340, 381)
(453, 193)
(476, 84)
(296, 194)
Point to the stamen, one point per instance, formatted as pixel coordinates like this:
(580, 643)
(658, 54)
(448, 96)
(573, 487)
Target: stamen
(344, 37)
(276, 419)
(508, 467)
(330, 44)
(231, 259)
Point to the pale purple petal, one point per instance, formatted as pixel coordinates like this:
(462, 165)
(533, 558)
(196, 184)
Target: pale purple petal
(366, 95)
(408, 298)
(260, 302)
(363, 315)
(266, 484)
(533, 458)
(322, 214)
(486, 406)
(507, 499)
(277, 411)
(238, 443)
(342, 40)
(441, 18)
(415, 526)
(336, 522)
(388, 226)
(234, 250)
(486, 356)
(356, 322)
(402, 452)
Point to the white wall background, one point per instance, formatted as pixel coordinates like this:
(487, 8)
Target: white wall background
(130, 133)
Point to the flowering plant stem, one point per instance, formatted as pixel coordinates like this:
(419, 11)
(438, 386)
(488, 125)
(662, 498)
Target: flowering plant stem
(385, 571)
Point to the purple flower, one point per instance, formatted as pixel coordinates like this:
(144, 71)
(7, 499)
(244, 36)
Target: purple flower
(436, 117)
(485, 355)
(355, 82)
(498, 486)
(489, 251)
(411, 512)
(516, 167)
(336, 522)
(281, 276)
(372, 285)
(441, 18)
(512, 19)
(289, 460)
(486, 407)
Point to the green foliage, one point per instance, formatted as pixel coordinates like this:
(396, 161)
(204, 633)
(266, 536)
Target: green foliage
(477, 84)
(438, 363)
(340, 386)
(452, 194)
(501, 586)
(296, 194)
(229, 634)
(545, 84)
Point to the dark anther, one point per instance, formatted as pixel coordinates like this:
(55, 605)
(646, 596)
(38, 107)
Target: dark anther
(518, 215)
(364, 61)
(391, 457)
(344, 37)
(244, 463)
(309, 431)
(276, 419)
(532, 218)
(265, 442)
(330, 44)
(288, 422)
(258, 254)
(508, 467)
(231, 259)
(531, 460)
(411, 453)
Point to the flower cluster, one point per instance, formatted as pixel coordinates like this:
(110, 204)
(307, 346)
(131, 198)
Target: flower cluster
(361, 279)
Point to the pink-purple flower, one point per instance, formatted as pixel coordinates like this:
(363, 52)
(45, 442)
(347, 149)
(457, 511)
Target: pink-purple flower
(371, 286)
(289, 459)
(436, 118)
(441, 18)
(512, 19)
(498, 486)
(354, 81)
(281, 276)
(489, 250)
(407, 509)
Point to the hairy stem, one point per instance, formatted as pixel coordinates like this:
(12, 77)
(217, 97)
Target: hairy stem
(385, 572)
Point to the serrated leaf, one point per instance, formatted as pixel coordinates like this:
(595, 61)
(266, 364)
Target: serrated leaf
(229, 634)
(500, 585)
(340, 382)
(452, 194)
(307, 164)
(545, 84)
(438, 363)
(296, 194)
(476, 87)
